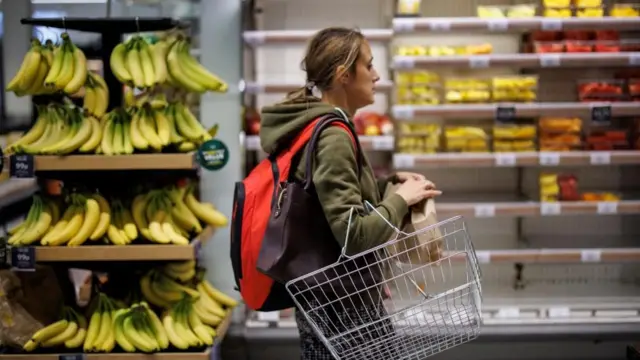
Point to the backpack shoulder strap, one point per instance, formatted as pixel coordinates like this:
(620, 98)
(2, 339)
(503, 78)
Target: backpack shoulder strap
(321, 124)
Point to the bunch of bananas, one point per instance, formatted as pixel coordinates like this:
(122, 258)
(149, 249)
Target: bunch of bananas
(59, 130)
(139, 64)
(96, 96)
(70, 331)
(138, 328)
(184, 327)
(41, 215)
(46, 69)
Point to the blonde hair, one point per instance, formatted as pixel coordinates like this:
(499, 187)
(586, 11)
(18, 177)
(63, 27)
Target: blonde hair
(328, 49)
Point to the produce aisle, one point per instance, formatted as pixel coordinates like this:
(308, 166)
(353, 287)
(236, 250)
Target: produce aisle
(105, 257)
(526, 116)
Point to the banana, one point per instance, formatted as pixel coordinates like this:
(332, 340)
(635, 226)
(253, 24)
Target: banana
(78, 339)
(106, 144)
(126, 137)
(180, 275)
(68, 64)
(146, 62)
(96, 136)
(105, 217)
(68, 333)
(148, 131)
(102, 95)
(70, 229)
(183, 328)
(210, 216)
(187, 146)
(90, 97)
(162, 124)
(168, 227)
(43, 219)
(218, 295)
(134, 336)
(137, 140)
(118, 137)
(118, 331)
(132, 61)
(113, 232)
(198, 327)
(138, 207)
(49, 331)
(149, 294)
(56, 66)
(178, 74)
(80, 137)
(174, 338)
(180, 211)
(28, 70)
(30, 345)
(95, 324)
(197, 72)
(79, 77)
(129, 225)
(158, 56)
(106, 326)
(59, 226)
(36, 131)
(117, 60)
(205, 315)
(209, 303)
(37, 87)
(32, 215)
(91, 220)
(183, 124)
(158, 328)
(155, 217)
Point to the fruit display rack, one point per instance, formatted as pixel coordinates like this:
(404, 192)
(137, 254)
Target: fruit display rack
(406, 151)
(146, 291)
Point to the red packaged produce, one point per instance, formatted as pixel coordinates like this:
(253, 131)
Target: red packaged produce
(543, 47)
(607, 35)
(568, 185)
(629, 46)
(540, 35)
(634, 86)
(607, 46)
(578, 46)
(600, 89)
(577, 35)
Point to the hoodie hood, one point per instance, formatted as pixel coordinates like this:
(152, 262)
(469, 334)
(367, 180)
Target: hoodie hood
(279, 124)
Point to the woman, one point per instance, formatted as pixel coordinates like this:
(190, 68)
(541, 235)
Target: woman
(338, 62)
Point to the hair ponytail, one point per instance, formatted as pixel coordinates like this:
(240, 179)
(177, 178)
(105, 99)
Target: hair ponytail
(299, 95)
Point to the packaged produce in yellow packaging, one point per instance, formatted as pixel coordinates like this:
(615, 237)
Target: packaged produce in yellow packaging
(549, 188)
(467, 91)
(408, 7)
(590, 12)
(513, 145)
(557, 13)
(513, 132)
(556, 3)
(426, 77)
(588, 3)
(515, 88)
(419, 138)
(625, 10)
(466, 139)
(552, 124)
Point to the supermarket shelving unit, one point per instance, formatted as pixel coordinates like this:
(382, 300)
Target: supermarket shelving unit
(572, 286)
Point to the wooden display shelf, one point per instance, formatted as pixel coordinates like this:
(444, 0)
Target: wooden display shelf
(14, 190)
(375, 143)
(569, 158)
(184, 161)
(123, 253)
(255, 38)
(415, 25)
(283, 87)
(221, 331)
(465, 111)
(561, 256)
(550, 60)
(532, 209)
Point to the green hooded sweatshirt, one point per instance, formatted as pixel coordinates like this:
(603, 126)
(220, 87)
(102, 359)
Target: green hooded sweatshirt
(335, 176)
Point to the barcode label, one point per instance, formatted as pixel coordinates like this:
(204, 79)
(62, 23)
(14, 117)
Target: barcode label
(550, 208)
(590, 255)
(498, 24)
(440, 25)
(508, 313)
(484, 257)
(403, 62)
(402, 112)
(607, 207)
(478, 62)
(382, 142)
(551, 24)
(485, 211)
(549, 158)
(559, 312)
(549, 60)
(506, 159)
(600, 158)
(403, 161)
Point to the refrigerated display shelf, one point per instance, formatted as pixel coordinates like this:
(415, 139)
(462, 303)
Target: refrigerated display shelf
(407, 112)
(180, 161)
(255, 38)
(413, 25)
(549, 60)
(555, 256)
(285, 87)
(570, 158)
(14, 190)
(533, 209)
(376, 143)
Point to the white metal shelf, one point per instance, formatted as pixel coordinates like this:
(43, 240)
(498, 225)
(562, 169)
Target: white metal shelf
(375, 143)
(257, 38)
(274, 87)
(534, 209)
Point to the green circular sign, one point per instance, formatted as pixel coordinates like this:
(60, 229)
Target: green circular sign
(213, 155)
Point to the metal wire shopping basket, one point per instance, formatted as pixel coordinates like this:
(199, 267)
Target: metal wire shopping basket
(406, 311)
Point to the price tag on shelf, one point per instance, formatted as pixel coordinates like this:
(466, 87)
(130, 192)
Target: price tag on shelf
(22, 166)
(506, 159)
(439, 25)
(486, 210)
(505, 113)
(479, 61)
(600, 158)
(255, 37)
(550, 208)
(634, 59)
(404, 161)
(547, 158)
(508, 313)
(382, 142)
(484, 256)
(498, 24)
(601, 114)
(23, 258)
(551, 24)
(591, 255)
(401, 25)
(402, 112)
(559, 312)
(269, 316)
(71, 356)
(607, 207)
(549, 60)
(403, 62)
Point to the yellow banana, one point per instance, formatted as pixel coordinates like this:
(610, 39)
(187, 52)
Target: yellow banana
(172, 334)
(80, 137)
(32, 135)
(28, 70)
(158, 56)
(132, 61)
(199, 73)
(182, 327)
(209, 303)
(59, 226)
(105, 217)
(175, 67)
(77, 340)
(206, 316)
(117, 60)
(43, 221)
(102, 95)
(148, 131)
(135, 337)
(95, 324)
(162, 124)
(129, 225)
(198, 327)
(137, 140)
(208, 215)
(169, 229)
(149, 294)
(218, 295)
(37, 87)
(138, 207)
(70, 229)
(96, 136)
(79, 77)
(146, 63)
(90, 98)
(68, 64)
(89, 225)
(158, 329)
(118, 331)
(126, 137)
(106, 145)
(49, 331)
(68, 333)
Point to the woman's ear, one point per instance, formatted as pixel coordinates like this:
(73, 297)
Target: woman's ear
(342, 75)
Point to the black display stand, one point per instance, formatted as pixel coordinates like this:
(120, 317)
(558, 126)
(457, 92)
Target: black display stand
(111, 30)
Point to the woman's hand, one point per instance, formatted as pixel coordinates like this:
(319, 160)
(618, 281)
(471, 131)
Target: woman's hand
(413, 191)
(404, 176)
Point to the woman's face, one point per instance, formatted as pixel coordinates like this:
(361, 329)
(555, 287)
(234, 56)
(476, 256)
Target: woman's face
(360, 89)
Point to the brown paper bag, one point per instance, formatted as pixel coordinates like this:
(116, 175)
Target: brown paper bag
(424, 247)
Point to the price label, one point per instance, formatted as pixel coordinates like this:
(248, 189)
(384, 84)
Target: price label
(71, 357)
(403, 161)
(607, 207)
(23, 258)
(559, 312)
(269, 316)
(440, 25)
(505, 113)
(601, 114)
(252, 142)
(551, 24)
(403, 25)
(547, 158)
(485, 210)
(255, 37)
(382, 142)
(479, 62)
(484, 257)
(22, 166)
(550, 208)
(591, 255)
(403, 62)
(506, 159)
(600, 158)
(634, 60)
(4, 253)
(508, 313)
(549, 60)
(498, 24)
(402, 112)
(253, 88)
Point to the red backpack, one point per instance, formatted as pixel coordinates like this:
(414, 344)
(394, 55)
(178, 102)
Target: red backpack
(252, 205)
